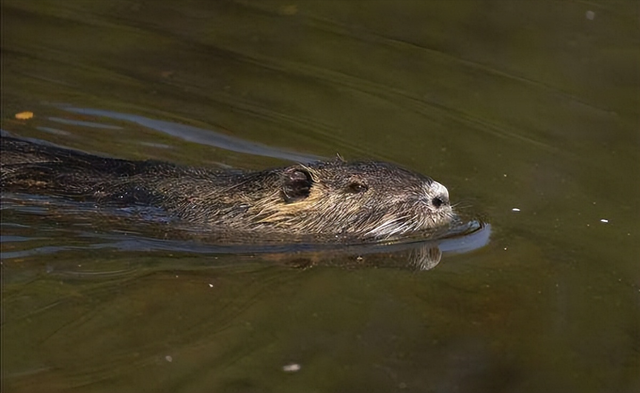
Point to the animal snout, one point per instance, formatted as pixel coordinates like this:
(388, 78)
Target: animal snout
(440, 200)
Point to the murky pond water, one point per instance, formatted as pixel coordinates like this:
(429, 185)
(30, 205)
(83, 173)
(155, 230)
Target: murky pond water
(528, 112)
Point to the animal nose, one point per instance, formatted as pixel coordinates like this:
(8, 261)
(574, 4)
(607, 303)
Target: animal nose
(440, 200)
(438, 194)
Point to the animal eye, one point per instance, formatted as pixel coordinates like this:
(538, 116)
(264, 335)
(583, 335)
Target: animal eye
(356, 187)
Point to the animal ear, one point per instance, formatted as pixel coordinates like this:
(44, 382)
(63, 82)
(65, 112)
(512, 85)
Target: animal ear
(296, 183)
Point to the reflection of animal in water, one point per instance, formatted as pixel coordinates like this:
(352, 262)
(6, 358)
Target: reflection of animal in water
(415, 256)
(361, 200)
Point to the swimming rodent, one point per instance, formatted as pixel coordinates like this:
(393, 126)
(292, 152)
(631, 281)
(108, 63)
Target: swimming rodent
(338, 199)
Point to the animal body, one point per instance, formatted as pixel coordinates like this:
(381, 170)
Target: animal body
(363, 200)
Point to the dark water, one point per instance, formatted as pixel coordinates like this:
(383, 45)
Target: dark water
(527, 111)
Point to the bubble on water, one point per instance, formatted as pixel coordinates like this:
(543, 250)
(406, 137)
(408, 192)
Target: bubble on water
(590, 15)
(291, 367)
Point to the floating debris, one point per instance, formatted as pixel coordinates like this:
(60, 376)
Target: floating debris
(24, 115)
(291, 367)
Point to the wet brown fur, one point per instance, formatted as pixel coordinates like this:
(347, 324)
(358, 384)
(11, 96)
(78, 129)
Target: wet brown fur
(335, 198)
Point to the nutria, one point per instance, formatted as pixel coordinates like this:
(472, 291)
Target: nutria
(363, 200)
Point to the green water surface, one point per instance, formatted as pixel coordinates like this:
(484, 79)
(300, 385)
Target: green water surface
(528, 111)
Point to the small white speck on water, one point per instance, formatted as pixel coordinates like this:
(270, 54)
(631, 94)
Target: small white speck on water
(515, 209)
(604, 220)
(291, 368)
(168, 358)
(590, 15)
(210, 285)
